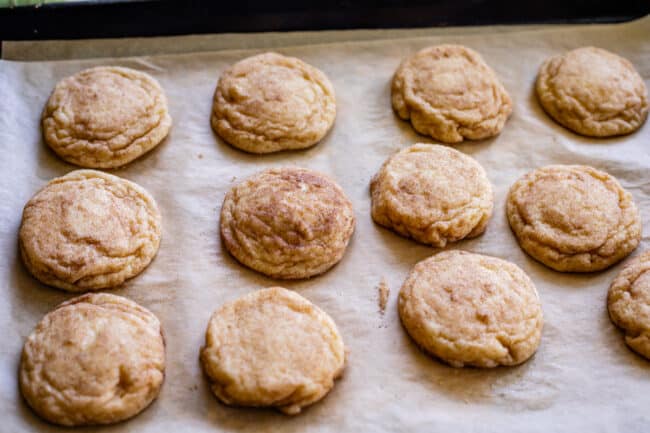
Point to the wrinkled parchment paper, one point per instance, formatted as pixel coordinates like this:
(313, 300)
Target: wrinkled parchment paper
(582, 378)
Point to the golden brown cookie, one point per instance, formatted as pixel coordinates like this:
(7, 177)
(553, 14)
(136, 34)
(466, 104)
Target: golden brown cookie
(433, 194)
(573, 218)
(628, 303)
(287, 222)
(593, 92)
(270, 102)
(272, 348)
(449, 93)
(95, 359)
(89, 230)
(105, 117)
(470, 309)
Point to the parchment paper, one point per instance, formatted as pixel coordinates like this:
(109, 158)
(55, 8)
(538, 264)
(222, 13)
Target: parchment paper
(582, 378)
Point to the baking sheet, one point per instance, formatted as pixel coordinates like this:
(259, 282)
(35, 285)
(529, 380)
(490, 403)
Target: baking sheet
(87, 48)
(582, 378)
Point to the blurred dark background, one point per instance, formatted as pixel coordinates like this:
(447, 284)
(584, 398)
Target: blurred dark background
(99, 19)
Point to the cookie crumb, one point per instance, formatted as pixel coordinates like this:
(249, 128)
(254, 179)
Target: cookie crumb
(383, 294)
(200, 156)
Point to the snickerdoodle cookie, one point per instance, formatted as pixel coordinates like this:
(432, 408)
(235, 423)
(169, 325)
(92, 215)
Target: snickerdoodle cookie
(270, 102)
(272, 348)
(470, 309)
(105, 117)
(573, 218)
(449, 93)
(628, 303)
(287, 222)
(89, 230)
(593, 92)
(95, 359)
(433, 194)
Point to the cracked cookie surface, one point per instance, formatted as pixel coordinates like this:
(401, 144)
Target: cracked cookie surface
(287, 223)
(433, 194)
(471, 310)
(105, 117)
(593, 92)
(95, 359)
(270, 102)
(272, 348)
(573, 218)
(89, 230)
(628, 303)
(449, 93)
